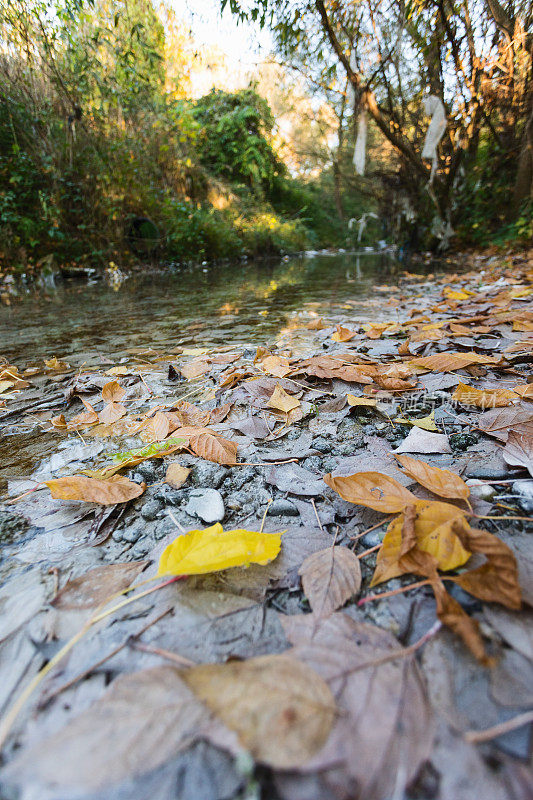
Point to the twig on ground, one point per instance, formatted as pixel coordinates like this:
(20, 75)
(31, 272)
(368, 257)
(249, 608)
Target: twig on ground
(316, 514)
(477, 737)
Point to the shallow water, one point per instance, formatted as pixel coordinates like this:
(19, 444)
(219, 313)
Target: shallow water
(244, 303)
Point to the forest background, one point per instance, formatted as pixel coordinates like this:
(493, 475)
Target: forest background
(101, 127)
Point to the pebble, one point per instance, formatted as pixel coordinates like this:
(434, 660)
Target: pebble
(147, 470)
(151, 509)
(170, 496)
(371, 539)
(208, 474)
(523, 489)
(207, 504)
(321, 445)
(132, 533)
(280, 508)
(483, 491)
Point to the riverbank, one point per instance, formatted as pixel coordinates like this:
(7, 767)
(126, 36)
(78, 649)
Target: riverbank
(265, 438)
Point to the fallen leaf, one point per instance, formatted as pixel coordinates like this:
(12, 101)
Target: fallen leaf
(87, 417)
(213, 447)
(524, 390)
(213, 549)
(189, 414)
(176, 475)
(140, 722)
(97, 585)
(368, 402)
(342, 334)
(383, 731)
(426, 423)
(116, 489)
(158, 427)
(56, 365)
(373, 490)
(449, 362)
(422, 441)
(112, 392)
(518, 452)
(439, 481)
(471, 396)
(131, 458)
(330, 578)
(433, 534)
(195, 368)
(282, 401)
(316, 324)
(111, 413)
(498, 422)
(281, 710)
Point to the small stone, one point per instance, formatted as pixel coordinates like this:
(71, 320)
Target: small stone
(483, 491)
(170, 496)
(151, 509)
(312, 463)
(207, 504)
(371, 539)
(148, 470)
(206, 473)
(133, 532)
(140, 549)
(523, 490)
(293, 434)
(321, 445)
(281, 508)
(117, 535)
(242, 477)
(381, 426)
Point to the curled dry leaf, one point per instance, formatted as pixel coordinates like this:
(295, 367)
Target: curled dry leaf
(189, 414)
(439, 481)
(426, 423)
(373, 490)
(133, 457)
(470, 396)
(116, 489)
(342, 334)
(449, 362)
(176, 475)
(281, 709)
(87, 417)
(329, 578)
(209, 445)
(282, 401)
(316, 324)
(518, 452)
(335, 366)
(430, 527)
(214, 549)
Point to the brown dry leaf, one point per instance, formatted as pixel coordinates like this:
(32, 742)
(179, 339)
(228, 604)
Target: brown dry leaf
(88, 417)
(496, 581)
(121, 371)
(140, 723)
(368, 402)
(342, 334)
(56, 365)
(220, 413)
(96, 586)
(451, 614)
(276, 366)
(449, 362)
(471, 396)
(524, 390)
(195, 368)
(335, 366)
(282, 401)
(518, 452)
(498, 422)
(432, 533)
(111, 413)
(158, 428)
(384, 731)
(373, 490)
(176, 475)
(439, 481)
(117, 489)
(189, 414)
(59, 421)
(523, 326)
(112, 392)
(281, 709)
(316, 324)
(374, 330)
(210, 445)
(330, 578)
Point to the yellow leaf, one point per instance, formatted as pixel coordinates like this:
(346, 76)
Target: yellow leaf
(118, 371)
(373, 490)
(439, 481)
(433, 527)
(282, 401)
(54, 363)
(5, 386)
(453, 294)
(369, 402)
(213, 549)
(426, 423)
(106, 492)
(470, 396)
(522, 325)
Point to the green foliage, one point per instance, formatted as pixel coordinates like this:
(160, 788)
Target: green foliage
(234, 138)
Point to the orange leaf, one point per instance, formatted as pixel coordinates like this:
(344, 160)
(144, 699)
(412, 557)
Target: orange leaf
(373, 490)
(106, 492)
(439, 481)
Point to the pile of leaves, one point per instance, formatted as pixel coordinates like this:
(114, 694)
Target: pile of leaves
(254, 657)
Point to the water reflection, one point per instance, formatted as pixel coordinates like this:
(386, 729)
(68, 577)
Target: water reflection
(242, 303)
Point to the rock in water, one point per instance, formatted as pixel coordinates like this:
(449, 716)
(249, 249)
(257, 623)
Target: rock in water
(207, 504)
